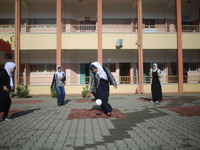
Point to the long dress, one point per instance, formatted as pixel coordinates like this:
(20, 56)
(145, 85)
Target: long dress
(156, 89)
(5, 100)
(103, 94)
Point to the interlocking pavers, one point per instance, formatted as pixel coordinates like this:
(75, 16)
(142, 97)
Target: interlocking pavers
(145, 125)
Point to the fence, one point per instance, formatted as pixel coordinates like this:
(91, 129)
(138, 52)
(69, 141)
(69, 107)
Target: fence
(93, 28)
(121, 80)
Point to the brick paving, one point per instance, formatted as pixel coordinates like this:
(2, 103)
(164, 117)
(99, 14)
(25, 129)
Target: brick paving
(135, 124)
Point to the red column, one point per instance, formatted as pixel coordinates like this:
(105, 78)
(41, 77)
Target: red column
(58, 22)
(17, 41)
(140, 45)
(99, 9)
(179, 46)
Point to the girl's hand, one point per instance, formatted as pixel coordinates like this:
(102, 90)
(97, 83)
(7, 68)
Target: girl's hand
(150, 73)
(60, 78)
(6, 89)
(115, 86)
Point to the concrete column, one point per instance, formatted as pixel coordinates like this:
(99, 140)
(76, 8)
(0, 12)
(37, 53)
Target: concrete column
(58, 22)
(140, 45)
(179, 46)
(17, 42)
(99, 13)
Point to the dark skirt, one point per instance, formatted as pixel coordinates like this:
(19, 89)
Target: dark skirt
(103, 94)
(156, 89)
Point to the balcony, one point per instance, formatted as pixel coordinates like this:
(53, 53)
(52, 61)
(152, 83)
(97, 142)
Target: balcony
(121, 80)
(93, 28)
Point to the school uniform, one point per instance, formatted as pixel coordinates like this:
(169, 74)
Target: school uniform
(99, 86)
(59, 84)
(156, 89)
(6, 80)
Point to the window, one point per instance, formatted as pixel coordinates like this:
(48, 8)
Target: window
(33, 68)
(161, 66)
(50, 68)
(111, 67)
(43, 68)
(193, 67)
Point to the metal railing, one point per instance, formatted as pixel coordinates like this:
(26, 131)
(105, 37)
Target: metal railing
(7, 28)
(191, 28)
(93, 28)
(119, 80)
(39, 28)
(159, 28)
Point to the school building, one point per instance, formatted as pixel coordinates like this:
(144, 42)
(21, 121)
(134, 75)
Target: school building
(127, 36)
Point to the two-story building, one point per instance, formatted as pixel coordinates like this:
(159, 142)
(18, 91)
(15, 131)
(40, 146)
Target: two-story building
(74, 33)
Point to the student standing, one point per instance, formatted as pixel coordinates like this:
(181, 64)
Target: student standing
(59, 82)
(156, 89)
(6, 85)
(99, 86)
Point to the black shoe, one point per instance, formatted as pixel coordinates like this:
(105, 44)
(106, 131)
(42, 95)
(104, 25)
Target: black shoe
(6, 119)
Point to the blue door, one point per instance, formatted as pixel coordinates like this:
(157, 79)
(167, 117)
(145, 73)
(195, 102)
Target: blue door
(82, 74)
(85, 73)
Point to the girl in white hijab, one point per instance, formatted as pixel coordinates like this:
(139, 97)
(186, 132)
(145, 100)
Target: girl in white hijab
(6, 84)
(9, 67)
(59, 82)
(99, 86)
(156, 89)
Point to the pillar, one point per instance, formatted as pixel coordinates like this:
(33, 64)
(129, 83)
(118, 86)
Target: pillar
(17, 42)
(140, 46)
(99, 20)
(58, 22)
(179, 46)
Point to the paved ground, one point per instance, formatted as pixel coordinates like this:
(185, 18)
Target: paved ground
(135, 124)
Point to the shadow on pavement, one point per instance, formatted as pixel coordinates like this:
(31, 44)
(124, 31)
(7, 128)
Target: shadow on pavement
(67, 101)
(18, 114)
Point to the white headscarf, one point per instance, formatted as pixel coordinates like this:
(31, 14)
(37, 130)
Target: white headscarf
(100, 71)
(59, 74)
(156, 65)
(8, 66)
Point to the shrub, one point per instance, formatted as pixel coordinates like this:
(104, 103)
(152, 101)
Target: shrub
(22, 91)
(53, 92)
(85, 91)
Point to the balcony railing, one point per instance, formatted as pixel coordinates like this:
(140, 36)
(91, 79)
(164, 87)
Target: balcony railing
(120, 80)
(159, 28)
(93, 28)
(39, 28)
(7, 28)
(191, 28)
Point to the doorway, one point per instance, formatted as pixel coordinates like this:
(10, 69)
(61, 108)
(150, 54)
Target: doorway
(124, 73)
(85, 73)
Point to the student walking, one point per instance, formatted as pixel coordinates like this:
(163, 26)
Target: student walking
(156, 89)
(99, 86)
(6, 85)
(59, 82)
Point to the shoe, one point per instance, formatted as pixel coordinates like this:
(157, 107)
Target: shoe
(6, 119)
(156, 101)
(151, 101)
(108, 114)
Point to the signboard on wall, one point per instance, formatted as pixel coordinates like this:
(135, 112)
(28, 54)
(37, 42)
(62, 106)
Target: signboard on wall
(9, 38)
(5, 46)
